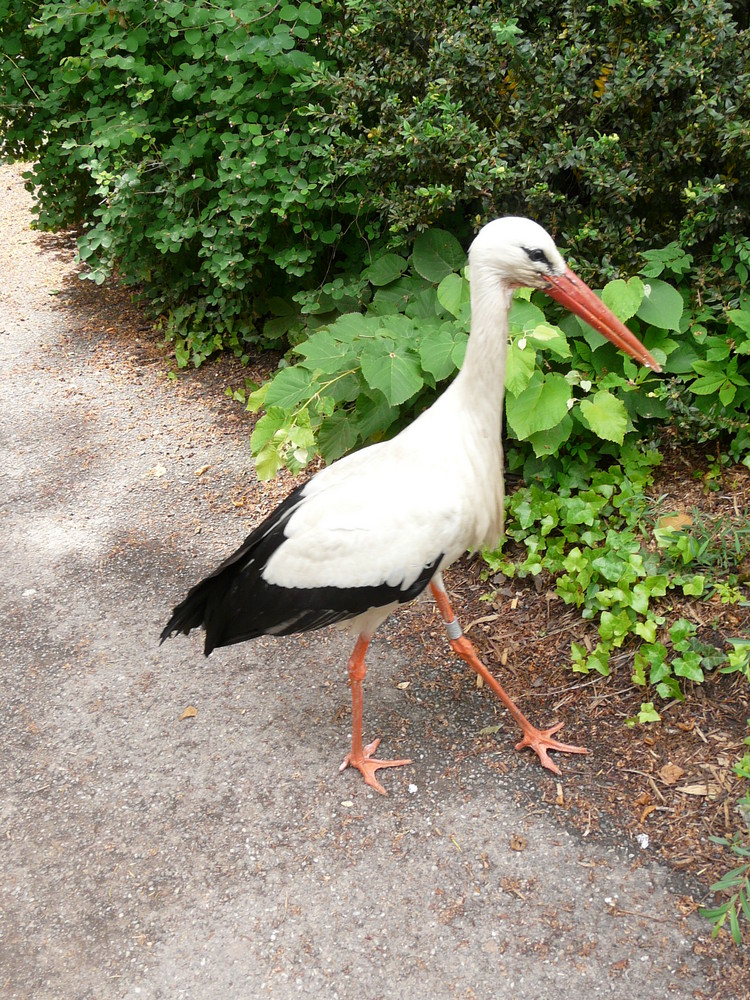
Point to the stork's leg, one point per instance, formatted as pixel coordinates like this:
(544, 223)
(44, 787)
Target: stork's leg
(538, 739)
(361, 757)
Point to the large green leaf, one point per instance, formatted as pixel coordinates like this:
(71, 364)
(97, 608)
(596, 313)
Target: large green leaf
(436, 352)
(352, 326)
(395, 297)
(310, 14)
(541, 405)
(524, 315)
(662, 305)
(549, 338)
(453, 294)
(322, 351)
(519, 367)
(741, 318)
(373, 414)
(336, 436)
(385, 269)
(290, 387)
(606, 416)
(623, 297)
(271, 421)
(392, 369)
(459, 349)
(436, 254)
(547, 442)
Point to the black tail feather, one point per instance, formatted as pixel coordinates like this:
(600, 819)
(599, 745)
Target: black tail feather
(199, 608)
(189, 614)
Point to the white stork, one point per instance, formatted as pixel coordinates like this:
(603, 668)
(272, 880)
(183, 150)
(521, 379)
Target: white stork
(374, 529)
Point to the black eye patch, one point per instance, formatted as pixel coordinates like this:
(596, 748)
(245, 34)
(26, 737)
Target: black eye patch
(537, 256)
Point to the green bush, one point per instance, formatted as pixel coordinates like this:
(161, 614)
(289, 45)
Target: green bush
(620, 126)
(376, 351)
(224, 155)
(172, 132)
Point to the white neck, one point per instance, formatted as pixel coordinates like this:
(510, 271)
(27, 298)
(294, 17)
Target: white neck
(481, 381)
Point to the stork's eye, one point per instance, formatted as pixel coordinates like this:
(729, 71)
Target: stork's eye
(537, 256)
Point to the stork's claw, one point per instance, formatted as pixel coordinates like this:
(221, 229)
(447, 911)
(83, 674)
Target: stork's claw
(367, 765)
(540, 742)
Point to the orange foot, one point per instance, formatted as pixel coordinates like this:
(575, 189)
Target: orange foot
(367, 765)
(540, 742)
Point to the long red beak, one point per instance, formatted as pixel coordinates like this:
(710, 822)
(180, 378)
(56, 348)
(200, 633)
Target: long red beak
(574, 294)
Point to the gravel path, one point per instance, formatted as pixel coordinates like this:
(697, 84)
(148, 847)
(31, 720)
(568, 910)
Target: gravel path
(222, 855)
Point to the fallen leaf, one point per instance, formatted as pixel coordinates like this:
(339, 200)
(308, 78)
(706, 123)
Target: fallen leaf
(671, 773)
(646, 812)
(694, 789)
(708, 789)
(489, 730)
(675, 522)
(189, 713)
(560, 799)
(518, 842)
(203, 468)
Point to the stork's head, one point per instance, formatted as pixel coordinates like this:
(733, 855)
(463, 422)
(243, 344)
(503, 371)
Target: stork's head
(519, 253)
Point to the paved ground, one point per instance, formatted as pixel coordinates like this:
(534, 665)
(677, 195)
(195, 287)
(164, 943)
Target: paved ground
(223, 855)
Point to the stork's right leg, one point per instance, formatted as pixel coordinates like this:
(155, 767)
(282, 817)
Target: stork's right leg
(361, 757)
(539, 740)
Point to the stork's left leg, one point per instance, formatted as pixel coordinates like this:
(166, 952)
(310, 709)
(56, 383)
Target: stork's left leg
(361, 757)
(538, 739)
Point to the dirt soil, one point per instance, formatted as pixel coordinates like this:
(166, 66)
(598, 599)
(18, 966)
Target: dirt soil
(174, 827)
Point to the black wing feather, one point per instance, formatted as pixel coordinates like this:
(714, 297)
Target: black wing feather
(235, 603)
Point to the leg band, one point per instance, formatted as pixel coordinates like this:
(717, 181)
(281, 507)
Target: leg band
(453, 629)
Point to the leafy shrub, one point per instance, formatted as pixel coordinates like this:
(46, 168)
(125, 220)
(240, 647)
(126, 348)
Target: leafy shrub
(369, 354)
(172, 131)
(585, 527)
(622, 126)
(225, 154)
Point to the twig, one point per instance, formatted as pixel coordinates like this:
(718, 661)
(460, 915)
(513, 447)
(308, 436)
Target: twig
(617, 911)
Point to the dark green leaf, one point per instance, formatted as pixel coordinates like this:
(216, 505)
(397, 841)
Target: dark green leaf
(436, 254)
(337, 435)
(385, 269)
(541, 405)
(606, 416)
(290, 387)
(436, 352)
(662, 305)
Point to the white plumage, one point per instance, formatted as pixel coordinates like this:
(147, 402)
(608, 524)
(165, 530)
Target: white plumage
(377, 527)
